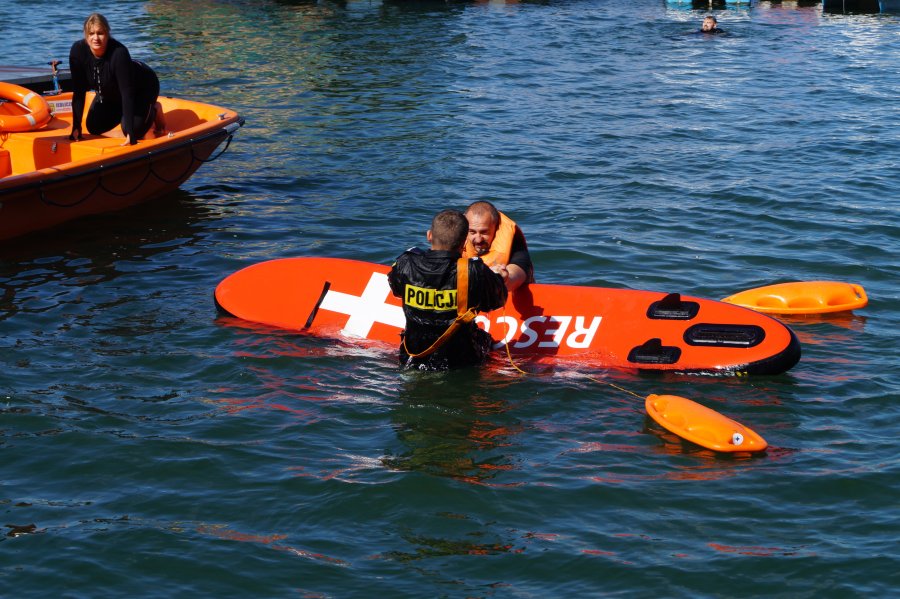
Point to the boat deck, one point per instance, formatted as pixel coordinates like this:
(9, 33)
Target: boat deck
(51, 146)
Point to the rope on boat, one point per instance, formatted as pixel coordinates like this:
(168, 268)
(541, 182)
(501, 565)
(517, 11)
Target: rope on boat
(133, 189)
(216, 157)
(194, 159)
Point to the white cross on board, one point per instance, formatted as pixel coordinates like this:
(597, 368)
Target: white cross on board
(365, 310)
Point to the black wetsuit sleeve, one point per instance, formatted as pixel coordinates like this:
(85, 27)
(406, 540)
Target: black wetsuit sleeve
(395, 280)
(487, 291)
(79, 72)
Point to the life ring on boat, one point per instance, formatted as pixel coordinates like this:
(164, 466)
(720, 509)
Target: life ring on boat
(39, 110)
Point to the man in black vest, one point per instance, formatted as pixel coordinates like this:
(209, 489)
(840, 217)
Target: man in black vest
(440, 301)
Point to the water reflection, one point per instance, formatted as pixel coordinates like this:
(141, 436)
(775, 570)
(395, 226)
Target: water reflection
(274, 541)
(806, 326)
(480, 542)
(332, 101)
(270, 357)
(800, 12)
(706, 5)
(449, 426)
(50, 268)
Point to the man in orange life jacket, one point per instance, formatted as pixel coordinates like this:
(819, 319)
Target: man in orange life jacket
(499, 241)
(440, 300)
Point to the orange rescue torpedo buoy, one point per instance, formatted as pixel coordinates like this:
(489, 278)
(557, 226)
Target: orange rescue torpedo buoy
(802, 297)
(701, 425)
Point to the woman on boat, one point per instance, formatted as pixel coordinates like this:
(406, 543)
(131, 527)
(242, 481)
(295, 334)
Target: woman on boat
(126, 89)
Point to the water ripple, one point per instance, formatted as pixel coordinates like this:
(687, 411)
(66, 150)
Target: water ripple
(227, 458)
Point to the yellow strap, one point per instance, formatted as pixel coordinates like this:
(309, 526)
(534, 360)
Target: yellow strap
(463, 313)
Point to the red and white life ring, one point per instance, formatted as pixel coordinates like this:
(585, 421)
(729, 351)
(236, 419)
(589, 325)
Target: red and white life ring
(39, 110)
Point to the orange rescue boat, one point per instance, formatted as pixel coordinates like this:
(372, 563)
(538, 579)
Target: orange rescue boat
(47, 179)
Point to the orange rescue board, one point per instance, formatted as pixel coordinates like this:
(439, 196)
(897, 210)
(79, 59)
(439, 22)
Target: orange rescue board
(701, 425)
(802, 297)
(617, 328)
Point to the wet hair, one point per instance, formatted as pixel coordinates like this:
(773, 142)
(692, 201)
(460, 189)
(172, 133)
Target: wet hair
(96, 19)
(484, 207)
(449, 229)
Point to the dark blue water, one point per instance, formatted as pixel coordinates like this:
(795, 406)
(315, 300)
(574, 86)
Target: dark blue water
(150, 450)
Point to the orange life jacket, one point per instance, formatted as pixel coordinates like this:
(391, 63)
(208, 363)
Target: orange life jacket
(501, 247)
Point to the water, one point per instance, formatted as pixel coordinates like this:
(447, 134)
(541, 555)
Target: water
(150, 450)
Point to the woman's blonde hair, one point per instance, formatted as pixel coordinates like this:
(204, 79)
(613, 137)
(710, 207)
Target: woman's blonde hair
(94, 20)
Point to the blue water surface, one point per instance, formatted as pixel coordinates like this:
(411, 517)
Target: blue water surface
(150, 449)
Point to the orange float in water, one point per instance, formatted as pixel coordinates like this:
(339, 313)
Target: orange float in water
(802, 297)
(701, 425)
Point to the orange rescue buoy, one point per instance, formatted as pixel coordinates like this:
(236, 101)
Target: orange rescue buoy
(802, 297)
(39, 110)
(701, 425)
